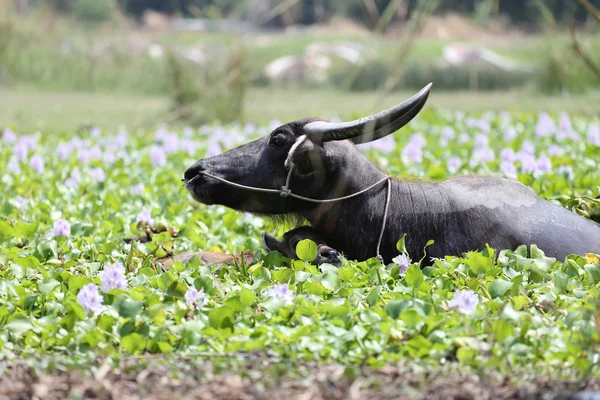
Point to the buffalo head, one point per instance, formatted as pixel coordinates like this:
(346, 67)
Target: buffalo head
(322, 160)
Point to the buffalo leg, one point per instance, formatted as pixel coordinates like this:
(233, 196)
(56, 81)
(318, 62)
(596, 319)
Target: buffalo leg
(287, 246)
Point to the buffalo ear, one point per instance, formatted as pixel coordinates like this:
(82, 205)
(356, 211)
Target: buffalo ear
(308, 157)
(272, 244)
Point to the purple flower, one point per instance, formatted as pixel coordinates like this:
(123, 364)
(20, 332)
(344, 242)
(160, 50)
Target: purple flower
(528, 163)
(274, 124)
(482, 156)
(508, 168)
(386, 144)
(20, 202)
(510, 134)
(481, 141)
(281, 292)
(464, 138)
(448, 132)
(95, 132)
(109, 158)
(593, 135)
(478, 124)
(9, 136)
(453, 164)
(249, 129)
(566, 170)
(188, 132)
(37, 164)
(413, 152)
(113, 277)
(74, 179)
(213, 149)
(21, 150)
(195, 298)
(418, 140)
(144, 217)
(61, 228)
(545, 125)
(544, 165)
(120, 140)
(76, 143)
(161, 133)
(171, 143)
(189, 146)
(528, 147)
(158, 157)
(507, 154)
(137, 189)
(97, 174)
(465, 301)
(554, 150)
(89, 298)
(13, 166)
(64, 151)
(403, 260)
(95, 153)
(83, 156)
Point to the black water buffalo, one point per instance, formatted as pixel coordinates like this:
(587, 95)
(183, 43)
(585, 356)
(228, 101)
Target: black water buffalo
(310, 159)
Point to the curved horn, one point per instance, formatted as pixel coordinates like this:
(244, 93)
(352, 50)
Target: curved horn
(372, 127)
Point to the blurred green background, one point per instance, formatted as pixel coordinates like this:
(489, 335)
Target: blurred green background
(71, 64)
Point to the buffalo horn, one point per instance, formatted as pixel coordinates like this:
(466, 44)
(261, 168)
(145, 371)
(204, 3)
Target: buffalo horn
(372, 127)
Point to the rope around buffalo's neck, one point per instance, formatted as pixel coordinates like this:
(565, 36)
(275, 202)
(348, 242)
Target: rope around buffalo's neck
(285, 191)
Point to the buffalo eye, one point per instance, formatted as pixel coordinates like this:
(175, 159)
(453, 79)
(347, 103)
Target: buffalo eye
(278, 141)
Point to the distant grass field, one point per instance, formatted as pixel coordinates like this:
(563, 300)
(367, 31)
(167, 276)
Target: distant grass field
(30, 110)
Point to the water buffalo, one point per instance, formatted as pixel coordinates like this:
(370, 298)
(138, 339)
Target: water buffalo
(312, 160)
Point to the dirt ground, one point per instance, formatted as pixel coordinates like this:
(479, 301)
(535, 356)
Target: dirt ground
(189, 380)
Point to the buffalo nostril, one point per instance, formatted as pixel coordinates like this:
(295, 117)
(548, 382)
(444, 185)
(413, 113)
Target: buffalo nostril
(192, 172)
(330, 254)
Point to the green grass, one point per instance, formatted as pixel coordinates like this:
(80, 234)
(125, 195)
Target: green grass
(29, 109)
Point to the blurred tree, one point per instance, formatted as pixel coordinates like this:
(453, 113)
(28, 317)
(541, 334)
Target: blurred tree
(521, 12)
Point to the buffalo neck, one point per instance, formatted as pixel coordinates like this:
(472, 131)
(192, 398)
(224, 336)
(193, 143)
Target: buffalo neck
(353, 225)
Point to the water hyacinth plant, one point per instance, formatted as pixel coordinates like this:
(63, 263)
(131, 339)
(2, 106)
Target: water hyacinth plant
(88, 236)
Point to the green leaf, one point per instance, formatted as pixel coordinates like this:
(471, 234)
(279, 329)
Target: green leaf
(302, 276)
(411, 318)
(314, 287)
(28, 262)
(48, 286)
(331, 281)
(129, 308)
(247, 298)
(394, 308)
(401, 244)
(414, 276)
(6, 229)
(479, 264)
(165, 347)
(499, 287)
(25, 229)
(133, 343)
(221, 317)
(561, 281)
(373, 296)
(465, 355)
(18, 325)
(502, 329)
(77, 282)
(306, 250)
(177, 289)
(204, 282)
(593, 271)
